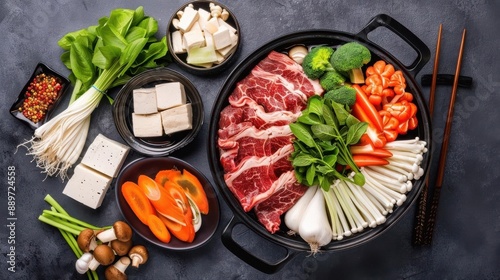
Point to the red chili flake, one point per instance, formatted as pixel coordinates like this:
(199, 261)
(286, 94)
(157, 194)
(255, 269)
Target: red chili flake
(41, 93)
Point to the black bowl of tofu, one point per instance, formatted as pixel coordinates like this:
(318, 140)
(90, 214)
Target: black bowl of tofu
(158, 112)
(203, 37)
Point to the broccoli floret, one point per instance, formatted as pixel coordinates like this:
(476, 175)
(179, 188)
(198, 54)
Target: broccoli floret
(349, 58)
(317, 61)
(345, 95)
(331, 79)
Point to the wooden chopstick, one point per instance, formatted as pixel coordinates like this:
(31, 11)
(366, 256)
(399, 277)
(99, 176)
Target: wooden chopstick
(431, 219)
(420, 219)
(435, 71)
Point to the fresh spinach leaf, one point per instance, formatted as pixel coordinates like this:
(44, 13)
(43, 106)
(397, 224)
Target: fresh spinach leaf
(303, 133)
(355, 132)
(323, 132)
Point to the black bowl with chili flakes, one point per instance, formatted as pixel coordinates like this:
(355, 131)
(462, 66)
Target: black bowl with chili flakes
(39, 96)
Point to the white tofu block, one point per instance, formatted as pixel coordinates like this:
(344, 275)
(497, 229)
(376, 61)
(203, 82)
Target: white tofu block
(196, 26)
(201, 55)
(189, 17)
(220, 58)
(144, 101)
(147, 125)
(227, 25)
(203, 17)
(177, 119)
(169, 95)
(204, 65)
(177, 43)
(175, 23)
(194, 39)
(229, 49)
(87, 186)
(105, 155)
(212, 25)
(222, 38)
(209, 39)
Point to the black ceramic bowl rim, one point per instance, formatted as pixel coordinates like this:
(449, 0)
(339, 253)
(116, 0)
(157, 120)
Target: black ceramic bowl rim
(282, 44)
(201, 70)
(39, 69)
(149, 166)
(157, 146)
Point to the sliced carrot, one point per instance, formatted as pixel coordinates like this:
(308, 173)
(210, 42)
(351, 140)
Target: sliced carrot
(371, 112)
(138, 201)
(370, 150)
(368, 160)
(184, 233)
(166, 175)
(193, 188)
(158, 228)
(376, 136)
(178, 194)
(160, 199)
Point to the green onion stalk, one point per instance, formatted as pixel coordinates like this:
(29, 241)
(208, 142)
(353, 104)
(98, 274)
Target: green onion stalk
(68, 226)
(100, 57)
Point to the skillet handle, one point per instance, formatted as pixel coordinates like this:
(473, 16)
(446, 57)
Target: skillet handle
(248, 257)
(383, 20)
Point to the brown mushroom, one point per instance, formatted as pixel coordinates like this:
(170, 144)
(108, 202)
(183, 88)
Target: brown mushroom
(139, 255)
(103, 255)
(117, 271)
(86, 240)
(120, 230)
(121, 248)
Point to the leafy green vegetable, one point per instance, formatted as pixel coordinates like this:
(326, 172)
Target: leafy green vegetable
(110, 53)
(324, 131)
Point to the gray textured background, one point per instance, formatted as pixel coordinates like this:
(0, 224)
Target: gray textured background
(467, 243)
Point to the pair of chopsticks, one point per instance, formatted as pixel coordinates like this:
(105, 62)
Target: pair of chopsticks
(426, 221)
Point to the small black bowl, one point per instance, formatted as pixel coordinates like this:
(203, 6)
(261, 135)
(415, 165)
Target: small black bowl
(39, 69)
(123, 107)
(151, 166)
(180, 59)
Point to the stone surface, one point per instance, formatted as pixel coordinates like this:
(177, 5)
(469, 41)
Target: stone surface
(466, 243)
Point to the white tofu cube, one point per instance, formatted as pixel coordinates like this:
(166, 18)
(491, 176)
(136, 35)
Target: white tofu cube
(189, 17)
(87, 186)
(194, 39)
(227, 25)
(177, 43)
(222, 38)
(177, 119)
(220, 58)
(144, 101)
(196, 26)
(170, 95)
(212, 25)
(105, 155)
(147, 125)
(229, 49)
(209, 39)
(203, 17)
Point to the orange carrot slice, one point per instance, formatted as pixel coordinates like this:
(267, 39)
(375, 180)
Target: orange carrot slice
(158, 228)
(138, 201)
(161, 200)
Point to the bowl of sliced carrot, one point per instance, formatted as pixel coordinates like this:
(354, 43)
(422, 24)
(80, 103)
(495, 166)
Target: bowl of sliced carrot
(168, 202)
